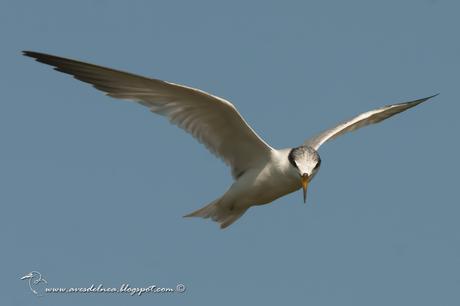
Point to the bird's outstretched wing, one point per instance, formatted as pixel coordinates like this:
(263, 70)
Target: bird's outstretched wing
(370, 117)
(213, 121)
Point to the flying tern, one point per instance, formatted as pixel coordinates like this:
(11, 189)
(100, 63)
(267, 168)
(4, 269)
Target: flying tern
(261, 173)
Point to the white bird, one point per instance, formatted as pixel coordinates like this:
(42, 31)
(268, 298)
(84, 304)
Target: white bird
(261, 173)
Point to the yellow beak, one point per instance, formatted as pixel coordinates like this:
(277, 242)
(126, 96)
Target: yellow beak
(304, 181)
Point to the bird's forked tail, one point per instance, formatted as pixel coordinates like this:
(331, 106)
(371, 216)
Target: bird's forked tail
(222, 215)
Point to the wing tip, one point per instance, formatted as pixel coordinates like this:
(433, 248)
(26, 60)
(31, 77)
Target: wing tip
(424, 99)
(427, 98)
(416, 102)
(30, 53)
(41, 57)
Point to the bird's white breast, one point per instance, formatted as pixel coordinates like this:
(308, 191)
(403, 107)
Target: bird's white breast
(266, 183)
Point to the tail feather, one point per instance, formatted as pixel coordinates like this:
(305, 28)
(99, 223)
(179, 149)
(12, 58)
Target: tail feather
(205, 211)
(232, 218)
(222, 215)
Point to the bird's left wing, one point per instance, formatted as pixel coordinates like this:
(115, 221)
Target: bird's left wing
(213, 121)
(370, 117)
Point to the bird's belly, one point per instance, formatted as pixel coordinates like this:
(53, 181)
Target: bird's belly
(269, 192)
(264, 188)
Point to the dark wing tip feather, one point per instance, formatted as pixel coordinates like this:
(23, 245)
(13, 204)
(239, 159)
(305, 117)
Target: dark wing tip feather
(410, 104)
(42, 57)
(433, 96)
(28, 53)
(87, 72)
(416, 102)
(425, 99)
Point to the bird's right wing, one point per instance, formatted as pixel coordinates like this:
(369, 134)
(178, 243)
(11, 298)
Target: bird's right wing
(213, 121)
(370, 117)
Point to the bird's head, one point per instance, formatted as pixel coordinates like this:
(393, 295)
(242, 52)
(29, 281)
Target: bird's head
(29, 275)
(306, 162)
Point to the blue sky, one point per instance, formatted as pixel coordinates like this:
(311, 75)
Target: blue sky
(89, 185)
